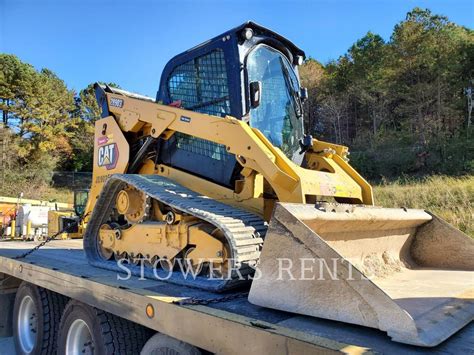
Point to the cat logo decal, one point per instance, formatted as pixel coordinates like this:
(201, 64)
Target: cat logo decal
(108, 156)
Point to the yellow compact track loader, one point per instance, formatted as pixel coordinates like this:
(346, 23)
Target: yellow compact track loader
(217, 171)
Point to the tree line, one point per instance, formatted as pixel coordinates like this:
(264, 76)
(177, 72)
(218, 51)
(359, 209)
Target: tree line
(401, 105)
(45, 126)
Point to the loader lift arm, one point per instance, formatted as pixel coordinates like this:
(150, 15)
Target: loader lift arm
(252, 149)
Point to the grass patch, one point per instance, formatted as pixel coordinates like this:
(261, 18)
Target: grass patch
(57, 195)
(451, 198)
(41, 192)
(448, 197)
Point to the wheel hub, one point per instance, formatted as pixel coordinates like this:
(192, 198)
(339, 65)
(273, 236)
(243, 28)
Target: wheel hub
(27, 324)
(79, 339)
(133, 204)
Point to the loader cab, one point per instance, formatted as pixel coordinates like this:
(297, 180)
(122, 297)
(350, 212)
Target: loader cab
(249, 73)
(80, 201)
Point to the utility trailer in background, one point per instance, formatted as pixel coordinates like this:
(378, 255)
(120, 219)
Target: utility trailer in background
(54, 296)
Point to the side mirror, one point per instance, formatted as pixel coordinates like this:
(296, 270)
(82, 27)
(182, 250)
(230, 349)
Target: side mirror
(306, 143)
(304, 94)
(255, 93)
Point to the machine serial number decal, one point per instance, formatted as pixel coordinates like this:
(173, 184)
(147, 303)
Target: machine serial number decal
(101, 179)
(108, 156)
(116, 102)
(185, 119)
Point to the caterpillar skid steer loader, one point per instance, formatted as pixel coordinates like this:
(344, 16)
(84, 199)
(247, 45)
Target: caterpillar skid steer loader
(218, 172)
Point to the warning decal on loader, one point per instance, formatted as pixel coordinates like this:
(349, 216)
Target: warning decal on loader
(108, 156)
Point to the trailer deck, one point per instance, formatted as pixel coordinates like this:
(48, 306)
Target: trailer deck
(224, 327)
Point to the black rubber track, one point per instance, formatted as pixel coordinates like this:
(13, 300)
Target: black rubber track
(244, 231)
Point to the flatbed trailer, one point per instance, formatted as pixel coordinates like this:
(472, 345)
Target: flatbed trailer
(227, 326)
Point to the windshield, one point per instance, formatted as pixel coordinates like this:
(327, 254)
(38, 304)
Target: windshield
(80, 201)
(278, 116)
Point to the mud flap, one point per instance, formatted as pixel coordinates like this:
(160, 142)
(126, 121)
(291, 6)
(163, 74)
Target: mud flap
(403, 271)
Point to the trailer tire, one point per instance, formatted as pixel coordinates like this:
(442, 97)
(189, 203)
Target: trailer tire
(84, 327)
(39, 310)
(161, 344)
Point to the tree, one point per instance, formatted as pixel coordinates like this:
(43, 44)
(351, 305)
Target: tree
(311, 73)
(16, 80)
(367, 80)
(86, 112)
(36, 113)
(408, 93)
(45, 118)
(36, 105)
(428, 74)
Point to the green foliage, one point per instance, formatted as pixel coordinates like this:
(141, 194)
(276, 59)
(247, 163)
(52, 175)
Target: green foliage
(87, 104)
(447, 157)
(37, 106)
(86, 112)
(30, 177)
(399, 104)
(45, 126)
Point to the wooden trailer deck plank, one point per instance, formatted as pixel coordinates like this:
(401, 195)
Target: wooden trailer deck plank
(222, 327)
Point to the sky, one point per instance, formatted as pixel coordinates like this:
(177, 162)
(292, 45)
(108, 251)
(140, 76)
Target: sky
(129, 42)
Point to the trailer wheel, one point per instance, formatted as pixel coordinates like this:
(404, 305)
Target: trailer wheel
(161, 344)
(88, 330)
(36, 316)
